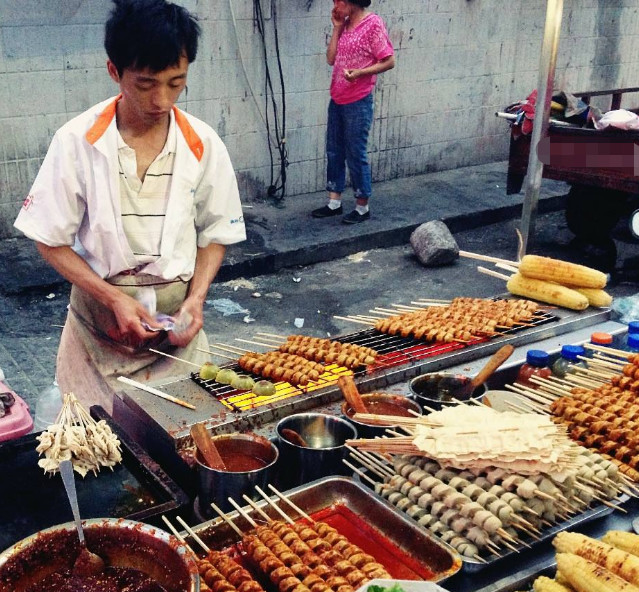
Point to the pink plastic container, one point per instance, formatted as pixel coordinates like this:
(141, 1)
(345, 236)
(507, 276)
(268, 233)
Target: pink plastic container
(18, 421)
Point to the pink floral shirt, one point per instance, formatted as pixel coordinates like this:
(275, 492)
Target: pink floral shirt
(365, 45)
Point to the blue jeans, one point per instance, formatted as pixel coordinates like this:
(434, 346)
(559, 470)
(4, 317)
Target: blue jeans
(346, 143)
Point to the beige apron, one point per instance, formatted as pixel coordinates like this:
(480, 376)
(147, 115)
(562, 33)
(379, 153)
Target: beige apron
(90, 359)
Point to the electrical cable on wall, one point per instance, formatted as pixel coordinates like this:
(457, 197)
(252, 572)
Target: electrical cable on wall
(277, 187)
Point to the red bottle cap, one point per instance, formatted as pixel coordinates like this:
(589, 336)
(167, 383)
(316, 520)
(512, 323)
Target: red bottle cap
(601, 338)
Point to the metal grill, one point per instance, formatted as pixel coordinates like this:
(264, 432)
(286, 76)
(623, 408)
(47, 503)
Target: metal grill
(394, 351)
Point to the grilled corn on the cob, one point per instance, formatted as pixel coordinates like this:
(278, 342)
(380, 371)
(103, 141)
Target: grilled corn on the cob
(598, 298)
(544, 584)
(626, 541)
(546, 292)
(615, 560)
(586, 576)
(561, 272)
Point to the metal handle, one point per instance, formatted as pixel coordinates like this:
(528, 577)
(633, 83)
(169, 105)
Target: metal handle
(66, 470)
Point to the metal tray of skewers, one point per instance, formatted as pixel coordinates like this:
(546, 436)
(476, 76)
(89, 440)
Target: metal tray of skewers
(521, 582)
(378, 529)
(449, 527)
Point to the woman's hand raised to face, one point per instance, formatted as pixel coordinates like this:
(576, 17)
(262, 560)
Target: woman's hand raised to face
(337, 18)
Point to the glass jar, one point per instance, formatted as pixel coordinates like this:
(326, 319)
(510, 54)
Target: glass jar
(536, 365)
(568, 361)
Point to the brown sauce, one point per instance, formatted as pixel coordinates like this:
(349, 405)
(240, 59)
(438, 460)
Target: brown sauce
(384, 408)
(112, 579)
(239, 462)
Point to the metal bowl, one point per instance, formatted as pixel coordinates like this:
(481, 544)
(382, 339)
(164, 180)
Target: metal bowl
(215, 485)
(365, 430)
(120, 542)
(436, 390)
(325, 435)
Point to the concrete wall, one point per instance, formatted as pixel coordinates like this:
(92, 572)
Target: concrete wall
(458, 61)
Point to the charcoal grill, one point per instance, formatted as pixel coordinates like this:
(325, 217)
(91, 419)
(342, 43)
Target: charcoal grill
(163, 428)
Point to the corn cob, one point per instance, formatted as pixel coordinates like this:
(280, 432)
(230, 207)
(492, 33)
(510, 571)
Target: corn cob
(562, 272)
(546, 292)
(626, 541)
(614, 560)
(586, 576)
(598, 298)
(544, 584)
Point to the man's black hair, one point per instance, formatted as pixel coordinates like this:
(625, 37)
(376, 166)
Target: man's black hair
(150, 34)
(361, 3)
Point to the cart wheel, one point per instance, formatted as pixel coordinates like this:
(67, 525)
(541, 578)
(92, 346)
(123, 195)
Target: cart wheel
(592, 213)
(633, 223)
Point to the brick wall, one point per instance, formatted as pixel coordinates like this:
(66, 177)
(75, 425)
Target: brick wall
(458, 61)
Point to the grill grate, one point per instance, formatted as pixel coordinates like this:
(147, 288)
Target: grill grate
(394, 351)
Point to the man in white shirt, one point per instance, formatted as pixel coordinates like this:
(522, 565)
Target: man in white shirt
(135, 193)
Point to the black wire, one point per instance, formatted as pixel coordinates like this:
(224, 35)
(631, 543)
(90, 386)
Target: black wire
(278, 186)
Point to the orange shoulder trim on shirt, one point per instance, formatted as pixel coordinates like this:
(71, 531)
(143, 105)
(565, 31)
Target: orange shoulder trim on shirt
(192, 139)
(102, 122)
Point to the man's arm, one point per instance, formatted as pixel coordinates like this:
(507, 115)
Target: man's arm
(129, 313)
(338, 26)
(207, 264)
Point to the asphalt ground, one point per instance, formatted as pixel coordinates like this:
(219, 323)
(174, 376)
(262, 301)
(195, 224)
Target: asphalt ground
(295, 273)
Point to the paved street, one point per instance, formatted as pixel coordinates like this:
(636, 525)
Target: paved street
(314, 294)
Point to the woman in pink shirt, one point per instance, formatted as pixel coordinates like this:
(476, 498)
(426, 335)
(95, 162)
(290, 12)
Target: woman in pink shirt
(359, 49)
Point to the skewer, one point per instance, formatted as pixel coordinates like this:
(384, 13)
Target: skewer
(227, 519)
(229, 348)
(602, 362)
(434, 300)
(176, 533)
(500, 276)
(507, 267)
(608, 350)
(471, 255)
(360, 473)
(273, 335)
(353, 320)
(242, 513)
(196, 538)
(212, 353)
(290, 503)
(273, 505)
(154, 391)
(255, 507)
(155, 351)
(252, 342)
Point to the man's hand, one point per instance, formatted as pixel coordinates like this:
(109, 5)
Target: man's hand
(191, 311)
(130, 314)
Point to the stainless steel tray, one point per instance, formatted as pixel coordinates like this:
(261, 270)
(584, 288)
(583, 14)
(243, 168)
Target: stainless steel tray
(474, 566)
(471, 566)
(521, 582)
(405, 549)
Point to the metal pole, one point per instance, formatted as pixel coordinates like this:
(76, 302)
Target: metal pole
(547, 61)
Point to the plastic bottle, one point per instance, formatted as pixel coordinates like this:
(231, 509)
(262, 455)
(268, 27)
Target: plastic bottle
(633, 329)
(599, 339)
(536, 365)
(48, 406)
(632, 343)
(569, 360)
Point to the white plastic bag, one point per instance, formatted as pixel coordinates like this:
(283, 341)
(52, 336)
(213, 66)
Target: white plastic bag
(619, 118)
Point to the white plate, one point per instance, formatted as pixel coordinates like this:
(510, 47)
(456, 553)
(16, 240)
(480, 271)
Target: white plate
(406, 585)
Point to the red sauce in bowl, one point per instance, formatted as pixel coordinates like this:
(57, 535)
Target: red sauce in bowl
(239, 462)
(112, 579)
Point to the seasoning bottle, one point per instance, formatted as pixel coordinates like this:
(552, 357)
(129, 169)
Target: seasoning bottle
(568, 361)
(536, 365)
(633, 329)
(599, 339)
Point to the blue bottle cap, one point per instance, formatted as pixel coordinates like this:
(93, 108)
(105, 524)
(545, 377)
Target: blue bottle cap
(633, 327)
(537, 357)
(633, 341)
(570, 352)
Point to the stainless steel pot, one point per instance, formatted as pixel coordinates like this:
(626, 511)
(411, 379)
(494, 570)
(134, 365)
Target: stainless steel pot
(435, 390)
(325, 435)
(372, 431)
(215, 485)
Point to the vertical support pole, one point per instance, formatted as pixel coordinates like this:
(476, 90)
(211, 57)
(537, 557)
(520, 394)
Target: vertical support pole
(548, 59)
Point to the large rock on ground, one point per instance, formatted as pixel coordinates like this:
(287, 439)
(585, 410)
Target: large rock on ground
(434, 244)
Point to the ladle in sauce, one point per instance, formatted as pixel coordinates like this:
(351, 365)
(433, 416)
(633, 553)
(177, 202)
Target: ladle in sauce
(207, 448)
(351, 394)
(294, 437)
(86, 563)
